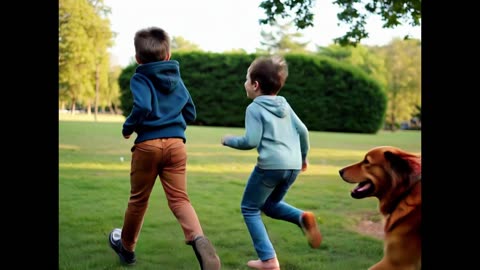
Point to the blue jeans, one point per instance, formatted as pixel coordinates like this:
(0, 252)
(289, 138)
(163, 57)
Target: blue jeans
(264, 192)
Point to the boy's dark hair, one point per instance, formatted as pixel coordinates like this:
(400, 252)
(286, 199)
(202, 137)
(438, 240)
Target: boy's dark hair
(271, 73)
(151, 44)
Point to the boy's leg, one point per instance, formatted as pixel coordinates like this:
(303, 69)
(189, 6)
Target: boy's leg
(142, 179)
(257, 190)
(143, 174)
(174, 182)
(275, 207)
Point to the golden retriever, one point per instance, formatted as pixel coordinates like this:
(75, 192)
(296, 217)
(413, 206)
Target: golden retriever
(394, 177)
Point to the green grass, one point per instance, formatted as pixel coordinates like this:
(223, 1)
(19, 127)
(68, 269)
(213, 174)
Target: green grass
(94, 189)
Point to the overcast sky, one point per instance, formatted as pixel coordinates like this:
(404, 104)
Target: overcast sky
(221, 25)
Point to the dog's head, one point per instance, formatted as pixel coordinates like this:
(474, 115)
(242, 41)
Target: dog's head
(385, 173)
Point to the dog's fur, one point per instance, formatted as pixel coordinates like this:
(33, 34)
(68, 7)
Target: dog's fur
(394, 177)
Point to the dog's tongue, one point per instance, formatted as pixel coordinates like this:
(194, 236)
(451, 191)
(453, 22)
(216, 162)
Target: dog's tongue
(363, 186)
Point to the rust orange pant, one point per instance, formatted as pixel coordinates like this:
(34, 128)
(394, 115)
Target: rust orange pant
(166, 158)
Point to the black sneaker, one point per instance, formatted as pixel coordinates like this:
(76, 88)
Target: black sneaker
(115, 241)
(206, 254)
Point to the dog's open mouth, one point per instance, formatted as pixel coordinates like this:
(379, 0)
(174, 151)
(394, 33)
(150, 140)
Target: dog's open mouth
(363, 189)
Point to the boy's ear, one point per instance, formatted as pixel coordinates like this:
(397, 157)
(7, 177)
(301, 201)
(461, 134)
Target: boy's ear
(256, 85)
(168, 56)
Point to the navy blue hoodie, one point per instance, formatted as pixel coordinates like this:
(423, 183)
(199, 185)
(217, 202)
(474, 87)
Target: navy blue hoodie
(162, 105)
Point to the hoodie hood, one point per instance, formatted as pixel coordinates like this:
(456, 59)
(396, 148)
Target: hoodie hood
(277, 105)
(164, 75)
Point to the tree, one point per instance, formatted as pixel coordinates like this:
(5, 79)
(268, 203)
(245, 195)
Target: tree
(237, 50)
(392, 12)
(281, 40)
(403, 63)
(364, 57)
(101, 35)
(84, 36)
(181, 44)
(76, 62)
(111, 97)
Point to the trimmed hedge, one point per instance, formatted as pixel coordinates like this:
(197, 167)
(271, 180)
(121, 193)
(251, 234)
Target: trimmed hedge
(326, 94)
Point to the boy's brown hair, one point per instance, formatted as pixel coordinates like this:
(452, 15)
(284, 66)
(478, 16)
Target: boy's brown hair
(270, 72)
(152, 44)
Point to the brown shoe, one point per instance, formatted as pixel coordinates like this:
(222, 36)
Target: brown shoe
(310, 229)
(206, 254)
(270, 264)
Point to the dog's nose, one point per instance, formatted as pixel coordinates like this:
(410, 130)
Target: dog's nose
(340, 172)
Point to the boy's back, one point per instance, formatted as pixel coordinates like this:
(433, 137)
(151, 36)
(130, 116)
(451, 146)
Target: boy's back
(162, 104)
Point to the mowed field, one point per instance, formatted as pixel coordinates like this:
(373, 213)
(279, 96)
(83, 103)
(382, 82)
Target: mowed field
(94, 163)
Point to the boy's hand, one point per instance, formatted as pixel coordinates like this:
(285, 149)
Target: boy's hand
(304, 165)
(225, 137)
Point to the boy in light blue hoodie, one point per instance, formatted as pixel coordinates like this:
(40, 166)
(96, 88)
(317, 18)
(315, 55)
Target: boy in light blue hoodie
(282, 143)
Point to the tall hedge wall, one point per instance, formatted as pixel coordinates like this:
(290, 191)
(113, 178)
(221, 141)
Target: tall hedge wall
(326, 94)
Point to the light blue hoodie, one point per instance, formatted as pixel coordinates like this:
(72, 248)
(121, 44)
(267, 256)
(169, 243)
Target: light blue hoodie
(272, 127)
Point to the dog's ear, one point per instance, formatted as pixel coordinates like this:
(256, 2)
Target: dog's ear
(404, 162)
(397, 163)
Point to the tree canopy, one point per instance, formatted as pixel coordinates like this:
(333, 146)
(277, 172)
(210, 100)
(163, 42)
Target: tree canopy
(281, 40)
(84, 39)
(179, 43)
(354, 13)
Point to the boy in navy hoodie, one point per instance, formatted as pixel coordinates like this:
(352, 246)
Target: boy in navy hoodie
(282, 143)
(162, 107)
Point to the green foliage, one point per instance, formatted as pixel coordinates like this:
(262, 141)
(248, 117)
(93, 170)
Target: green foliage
(93, 190)
(282, 40)
(403, 63)
(364, 57)
(303, 17)
(126, 99)
(418, 112)
(84, 37)
(396, 66)
(181, 44)
(392, 13)
(111, 98)
(332, 96)
(326, 94)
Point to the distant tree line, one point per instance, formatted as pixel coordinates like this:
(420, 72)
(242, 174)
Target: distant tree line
(88, 80)
(86, 77)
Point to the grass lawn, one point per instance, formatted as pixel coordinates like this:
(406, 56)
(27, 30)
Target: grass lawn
(94, 189)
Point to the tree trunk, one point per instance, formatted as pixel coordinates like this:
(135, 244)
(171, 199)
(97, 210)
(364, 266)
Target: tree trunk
(89, 107)
(97, 90)
(112, 109)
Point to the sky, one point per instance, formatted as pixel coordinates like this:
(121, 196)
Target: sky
(222, 25)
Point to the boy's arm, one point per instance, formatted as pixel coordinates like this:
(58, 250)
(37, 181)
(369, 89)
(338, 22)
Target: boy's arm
(142, 105)
(189, 112)
(253, 133)
(304, 139)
